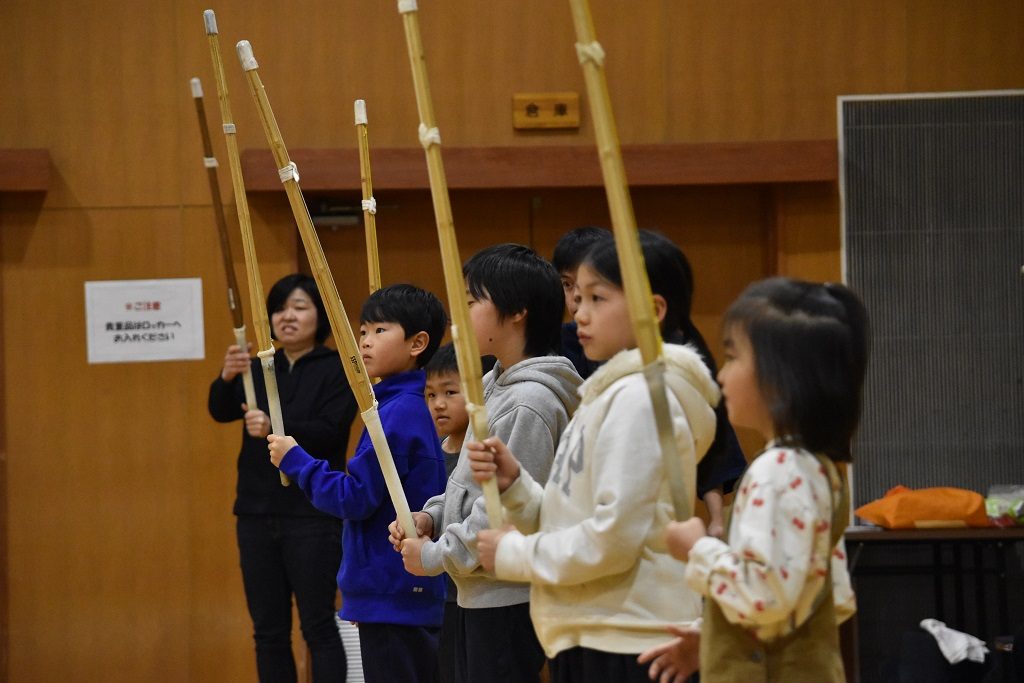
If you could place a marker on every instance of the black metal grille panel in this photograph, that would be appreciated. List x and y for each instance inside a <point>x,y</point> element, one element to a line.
<point>933,211</point>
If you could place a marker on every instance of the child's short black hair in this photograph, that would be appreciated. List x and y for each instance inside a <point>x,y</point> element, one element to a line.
<point>415,309</point>
<point>445,362</point>
<point>575,244</point>
<point>810,345</point>
<point>517,280</point>
<point>282,289</point>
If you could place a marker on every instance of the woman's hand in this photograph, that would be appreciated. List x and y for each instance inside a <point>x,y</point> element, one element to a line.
<point>491,458</point>
<point>279,445</point>
<point>236,362</point>
<point>257,423</point>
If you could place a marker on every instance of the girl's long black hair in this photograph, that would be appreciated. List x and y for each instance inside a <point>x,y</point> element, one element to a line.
<point>671,277</point>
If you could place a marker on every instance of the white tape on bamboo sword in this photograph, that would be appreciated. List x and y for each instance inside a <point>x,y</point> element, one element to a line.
<point>261,322</point>
<point>368,203</point>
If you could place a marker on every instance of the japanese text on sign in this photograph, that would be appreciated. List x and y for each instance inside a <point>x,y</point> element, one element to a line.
<point>144,320</point>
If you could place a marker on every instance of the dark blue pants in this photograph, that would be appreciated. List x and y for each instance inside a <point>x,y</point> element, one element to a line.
<point>281,556</point>
<point>393,653</point>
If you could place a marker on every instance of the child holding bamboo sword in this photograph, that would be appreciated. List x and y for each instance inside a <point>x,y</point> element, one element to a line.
<point>721,468</point>
<point>515,306</point>
<point>447,406</point>
<point>777,588</point>
<point>591,541</point>
<point>399,616</point>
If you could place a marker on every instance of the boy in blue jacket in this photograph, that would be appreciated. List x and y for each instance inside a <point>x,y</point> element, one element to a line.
<point>399,615</point>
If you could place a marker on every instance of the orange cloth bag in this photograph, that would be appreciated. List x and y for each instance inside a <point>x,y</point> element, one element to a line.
<point>904,508</point>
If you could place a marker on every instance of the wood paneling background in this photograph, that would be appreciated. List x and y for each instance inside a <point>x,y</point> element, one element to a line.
<point>119,540</point>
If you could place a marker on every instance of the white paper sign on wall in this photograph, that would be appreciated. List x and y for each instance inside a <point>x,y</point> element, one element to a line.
<point>131,321</point>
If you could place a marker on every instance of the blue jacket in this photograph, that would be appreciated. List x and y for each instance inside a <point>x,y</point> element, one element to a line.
<point>375,588</point>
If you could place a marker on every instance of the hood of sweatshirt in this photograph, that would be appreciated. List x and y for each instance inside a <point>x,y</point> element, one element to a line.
<point>686,376</point>
<point>554,373</point>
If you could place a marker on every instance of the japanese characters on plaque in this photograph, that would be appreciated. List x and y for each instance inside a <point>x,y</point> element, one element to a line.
<point>130,321</point>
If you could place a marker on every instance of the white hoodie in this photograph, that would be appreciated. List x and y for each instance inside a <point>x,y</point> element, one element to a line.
<point>601,574</point>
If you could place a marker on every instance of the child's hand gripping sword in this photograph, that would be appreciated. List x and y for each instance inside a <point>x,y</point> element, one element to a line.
<point>261,324</point>
<point>351,358</point>
<point>631,261</point>
<point>466,349</point>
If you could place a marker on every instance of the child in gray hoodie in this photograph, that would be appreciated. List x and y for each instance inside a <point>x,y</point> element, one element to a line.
<point>516,305</point>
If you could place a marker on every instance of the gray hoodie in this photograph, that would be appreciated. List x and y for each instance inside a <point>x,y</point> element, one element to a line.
<point>528,407</point>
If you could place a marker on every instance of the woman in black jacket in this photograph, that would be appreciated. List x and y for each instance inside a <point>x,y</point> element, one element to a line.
<point>286,546</point>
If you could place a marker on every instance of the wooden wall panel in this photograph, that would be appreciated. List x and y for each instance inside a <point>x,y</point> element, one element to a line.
<point>964,45</point>
<point>713,71</point>
<point>407,235</point>
<point>808,232</point>
<point>97,488</point>
<point>638,39</point>
<point>24,170</point>
<point>90,89</point>
<point>745,70</point>
<point>121,531</point>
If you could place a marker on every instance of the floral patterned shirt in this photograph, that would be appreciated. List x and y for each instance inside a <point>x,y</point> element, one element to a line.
<point>769,575</point>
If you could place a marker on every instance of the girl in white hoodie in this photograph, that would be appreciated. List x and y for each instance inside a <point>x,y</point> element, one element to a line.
<point>591,542</point>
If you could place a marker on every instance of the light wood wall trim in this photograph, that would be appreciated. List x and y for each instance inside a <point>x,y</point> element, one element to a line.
<point>557,166</point>
<point>24,170</point>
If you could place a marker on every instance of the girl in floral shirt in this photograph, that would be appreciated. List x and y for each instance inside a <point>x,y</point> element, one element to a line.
<point>795,359</point>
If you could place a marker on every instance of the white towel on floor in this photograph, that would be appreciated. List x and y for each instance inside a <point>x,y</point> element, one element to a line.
<point>956,646</point>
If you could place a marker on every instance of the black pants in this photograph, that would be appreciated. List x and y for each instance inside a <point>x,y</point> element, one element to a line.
<point>449,636</point>
<point>497,644</point>
<point>281,556</point>
<point>582,665</point>
<point>393,653</point>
